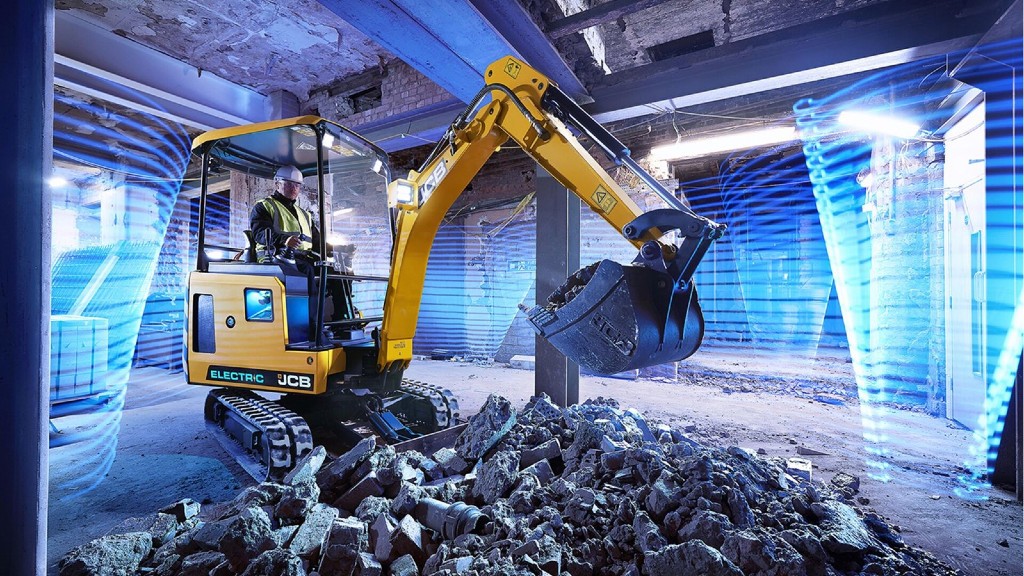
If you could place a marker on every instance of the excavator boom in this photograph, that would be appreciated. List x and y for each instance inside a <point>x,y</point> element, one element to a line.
<point>607,317</point>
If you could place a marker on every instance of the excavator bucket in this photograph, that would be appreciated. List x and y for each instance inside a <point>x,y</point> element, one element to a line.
<point>610,318</point>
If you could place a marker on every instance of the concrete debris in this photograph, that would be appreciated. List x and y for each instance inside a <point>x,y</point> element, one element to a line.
<point>805,451</point>
<point>450,462</point>
<point>624,497</point>
<point>486,428</point>
<point>183,510</point>
<point>314,531</point>
<point>364,488</point>
<point>404,566</point>
<point>114,554</point>
<point>367,565</point>
<point>276,562</point>
<point>799,468</point>
<point>496,476</point>
<point>306,468</point>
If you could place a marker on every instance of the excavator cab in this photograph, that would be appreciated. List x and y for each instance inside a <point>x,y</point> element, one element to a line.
<point>296,321</point>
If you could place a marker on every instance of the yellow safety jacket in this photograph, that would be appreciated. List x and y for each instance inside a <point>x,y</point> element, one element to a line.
<point>284,222</point>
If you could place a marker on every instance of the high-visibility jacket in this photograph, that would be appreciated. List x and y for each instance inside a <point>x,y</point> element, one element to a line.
<point>284,221</point>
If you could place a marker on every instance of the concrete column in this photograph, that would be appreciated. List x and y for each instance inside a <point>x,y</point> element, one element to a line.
<point>283,104</point>
<point>26,153</point>
<point>558,256</point>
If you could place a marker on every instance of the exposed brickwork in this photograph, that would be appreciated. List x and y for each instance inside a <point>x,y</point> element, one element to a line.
<point>403,89</point>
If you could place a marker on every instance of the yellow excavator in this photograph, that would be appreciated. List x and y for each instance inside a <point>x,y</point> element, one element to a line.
<point>296,322</point>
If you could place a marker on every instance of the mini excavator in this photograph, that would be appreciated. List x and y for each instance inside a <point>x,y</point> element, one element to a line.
<point>292,324</point>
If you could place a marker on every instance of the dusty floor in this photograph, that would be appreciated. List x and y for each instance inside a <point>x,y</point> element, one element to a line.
<point>164,453</point>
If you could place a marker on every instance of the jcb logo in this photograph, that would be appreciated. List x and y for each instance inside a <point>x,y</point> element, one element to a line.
<point>618,340</point>
<point>434,180</point>
<point>294,381</point>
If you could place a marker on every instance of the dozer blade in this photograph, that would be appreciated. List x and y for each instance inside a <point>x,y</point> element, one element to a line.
<point>609,318</point>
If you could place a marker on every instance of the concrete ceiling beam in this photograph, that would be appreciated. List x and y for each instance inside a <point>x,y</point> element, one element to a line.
<point>450,42</point>
<point>865,39</point>
<point>100,64</point>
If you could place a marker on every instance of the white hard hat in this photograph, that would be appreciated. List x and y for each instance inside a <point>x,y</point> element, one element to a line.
<point>289,173</point>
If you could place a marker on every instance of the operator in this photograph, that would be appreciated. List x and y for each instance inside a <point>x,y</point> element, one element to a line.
<point>279,222</point>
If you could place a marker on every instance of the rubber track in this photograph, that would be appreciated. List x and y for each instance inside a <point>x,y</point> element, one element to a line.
<point>446,407</point>
<point>285,433</point>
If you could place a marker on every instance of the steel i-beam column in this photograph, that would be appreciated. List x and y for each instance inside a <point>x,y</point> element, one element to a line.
<point>558,255</point>
<point>25,153</point>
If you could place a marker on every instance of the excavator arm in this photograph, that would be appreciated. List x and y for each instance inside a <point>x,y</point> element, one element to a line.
<point>607,317</point>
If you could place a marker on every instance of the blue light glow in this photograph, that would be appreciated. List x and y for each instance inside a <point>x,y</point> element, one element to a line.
<point>886,210</point>
<point>122,174</point>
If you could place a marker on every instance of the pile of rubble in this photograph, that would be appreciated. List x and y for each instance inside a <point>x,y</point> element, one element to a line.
<point>587,490</point>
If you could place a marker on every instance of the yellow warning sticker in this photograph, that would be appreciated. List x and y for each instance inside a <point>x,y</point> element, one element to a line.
<point>512,68</point>
<point>603,199</point>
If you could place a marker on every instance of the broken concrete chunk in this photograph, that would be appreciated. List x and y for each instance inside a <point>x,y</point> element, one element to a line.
<point>542,471</point>
<point>114,554</point>
<point>708,527</point>
<point>367,565</point>
<point>247,535</point>
<point>380,458</point>
<point>366,487</point>
<point>431,469</point>
<point>694,557</point>
<point>338,560</point>
<point>183,510</point>
<point>404,566</point>
<point>407,540</point>
<point>380,537</point>
<point>207,535</point>
<point>283,535</point>
<point>547,451</point>
<point>541,408</point>
<point>337,473</point>
<point>486,428</point>
<point>496,476</point>
<point>845,532</point>
<point>749,552</point>
<point>405,502</point>
<point>799,468</point>
<point>371,507</point>
<point>162,527</point>
<point>450,462</point>
<point>200,564</point>
<point>296,501</point>
<point>313,532</point>
<point>307,467</point>
<point>662,498</point>
<point>646,534</point>
<point>456,565</point>
<point>846,484</point>
<point>276,562</point>
<point>349,532</point>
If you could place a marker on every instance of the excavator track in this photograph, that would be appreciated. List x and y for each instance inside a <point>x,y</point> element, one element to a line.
<point>266,438</point>
<point>444,406</point>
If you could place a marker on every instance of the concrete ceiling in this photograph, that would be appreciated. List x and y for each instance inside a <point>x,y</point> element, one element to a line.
<point>219,62</point>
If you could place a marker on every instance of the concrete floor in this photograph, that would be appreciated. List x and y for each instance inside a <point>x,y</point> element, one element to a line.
<point>164,453</point>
